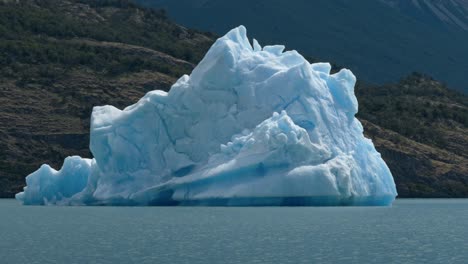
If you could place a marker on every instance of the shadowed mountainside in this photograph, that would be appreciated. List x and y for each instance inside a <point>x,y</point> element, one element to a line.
<point>379,40</point>
<point>448,13</point>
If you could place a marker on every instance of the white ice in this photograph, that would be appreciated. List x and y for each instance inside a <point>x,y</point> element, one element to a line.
<point>249,126</point>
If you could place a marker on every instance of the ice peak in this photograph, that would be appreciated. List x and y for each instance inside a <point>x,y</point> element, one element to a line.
<point>239,36</point>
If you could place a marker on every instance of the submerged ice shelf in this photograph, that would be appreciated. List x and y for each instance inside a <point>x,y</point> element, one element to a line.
<point>249,126</point>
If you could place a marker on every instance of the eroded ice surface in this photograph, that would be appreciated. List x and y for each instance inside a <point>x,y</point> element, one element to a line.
<point>249,126</point>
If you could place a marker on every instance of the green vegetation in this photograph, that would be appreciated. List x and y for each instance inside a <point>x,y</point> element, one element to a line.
<point>421,129</point>
<point>59,58</point>
<point>63,34</point>
<point>417,107</point>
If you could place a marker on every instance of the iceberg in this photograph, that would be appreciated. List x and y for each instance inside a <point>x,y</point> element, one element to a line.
<point>250,126</point>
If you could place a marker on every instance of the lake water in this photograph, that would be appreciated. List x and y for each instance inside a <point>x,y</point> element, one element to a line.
<point>411,231</point>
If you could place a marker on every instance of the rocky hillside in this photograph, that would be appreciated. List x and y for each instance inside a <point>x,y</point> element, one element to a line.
<point>62,57</point>
<point>59,58</point>
<point>421,129</point>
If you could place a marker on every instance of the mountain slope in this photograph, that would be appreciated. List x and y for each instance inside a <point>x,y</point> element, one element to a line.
<point>61,58</point>
<point>379,41</point>
<point>421,129</point>
<point>449,13</point>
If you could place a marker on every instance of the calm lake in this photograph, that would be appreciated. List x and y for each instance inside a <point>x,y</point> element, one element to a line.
<point>411,231</point>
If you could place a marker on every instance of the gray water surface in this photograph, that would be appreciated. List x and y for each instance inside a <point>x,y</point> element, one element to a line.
<point>411,231</point>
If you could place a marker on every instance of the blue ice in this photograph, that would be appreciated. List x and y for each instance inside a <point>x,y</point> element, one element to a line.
<point>251,125</point>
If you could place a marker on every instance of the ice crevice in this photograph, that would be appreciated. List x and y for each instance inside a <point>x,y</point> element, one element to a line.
<point>250,125</point>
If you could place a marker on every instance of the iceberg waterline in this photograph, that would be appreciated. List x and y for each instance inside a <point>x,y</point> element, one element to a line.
<point>249,126</point>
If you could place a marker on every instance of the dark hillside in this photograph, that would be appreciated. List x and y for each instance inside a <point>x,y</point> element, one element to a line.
<point>379,40</point>
<point>421,129</point>
<point>60,58</point>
